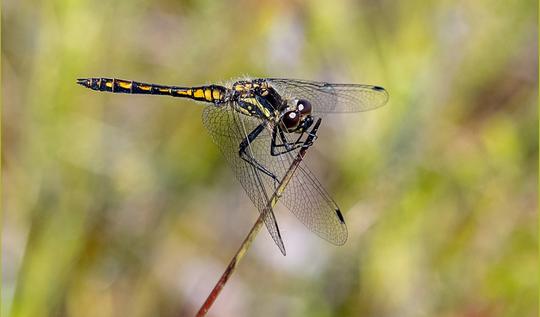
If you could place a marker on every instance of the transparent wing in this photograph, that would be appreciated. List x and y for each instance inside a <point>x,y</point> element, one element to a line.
<point>312,205</point>
<point>304,196</point>
<point>228,129</point>
<point>327,97</point>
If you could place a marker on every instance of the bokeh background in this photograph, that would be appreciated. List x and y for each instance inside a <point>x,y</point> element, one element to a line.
<point>118,205</point>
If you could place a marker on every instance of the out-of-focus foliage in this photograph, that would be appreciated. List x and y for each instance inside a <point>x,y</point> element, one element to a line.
<point>118,205</point>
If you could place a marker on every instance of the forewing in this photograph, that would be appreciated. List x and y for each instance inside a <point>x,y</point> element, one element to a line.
<point>327,97</point>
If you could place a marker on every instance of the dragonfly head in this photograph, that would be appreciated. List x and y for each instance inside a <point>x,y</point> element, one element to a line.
<point>297,117</point>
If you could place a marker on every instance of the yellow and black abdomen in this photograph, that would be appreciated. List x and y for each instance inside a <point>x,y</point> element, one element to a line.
<point>213,93</point>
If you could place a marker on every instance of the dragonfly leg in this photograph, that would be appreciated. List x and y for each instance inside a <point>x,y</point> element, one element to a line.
<point>312,135</point>
<point>290,146</point>
<point>246,156</point>
<point>276,149</point>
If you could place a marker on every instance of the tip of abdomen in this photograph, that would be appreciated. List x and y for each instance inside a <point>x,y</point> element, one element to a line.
<point>85,82</point>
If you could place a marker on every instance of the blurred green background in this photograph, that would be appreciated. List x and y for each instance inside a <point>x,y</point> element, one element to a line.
<point>118,205</point>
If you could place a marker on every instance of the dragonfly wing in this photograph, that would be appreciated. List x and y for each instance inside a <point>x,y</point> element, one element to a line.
<point>306,198</point>
<point>327,97</point>
<point>228,129</point>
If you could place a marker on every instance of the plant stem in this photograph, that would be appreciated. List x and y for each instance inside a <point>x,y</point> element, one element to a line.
<point>231,267</point>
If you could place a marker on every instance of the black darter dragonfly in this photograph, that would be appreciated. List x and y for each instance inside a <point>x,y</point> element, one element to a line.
<point>259,126</point>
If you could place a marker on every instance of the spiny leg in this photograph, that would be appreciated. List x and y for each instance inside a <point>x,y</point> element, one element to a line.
<point>244,155</point>
<point>290,146</point>
<point>312,136</point>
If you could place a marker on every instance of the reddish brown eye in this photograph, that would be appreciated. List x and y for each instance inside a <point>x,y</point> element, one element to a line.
<point>304,106</point>
<point>290,119</point>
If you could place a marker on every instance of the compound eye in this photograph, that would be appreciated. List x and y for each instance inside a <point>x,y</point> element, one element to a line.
<point>303,106</point>
<point>291,119</point>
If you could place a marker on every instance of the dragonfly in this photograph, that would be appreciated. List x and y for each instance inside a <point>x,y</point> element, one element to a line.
<point>260,125</point>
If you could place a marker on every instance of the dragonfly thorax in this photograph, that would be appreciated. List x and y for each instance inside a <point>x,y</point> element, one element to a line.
<point>257,98</point>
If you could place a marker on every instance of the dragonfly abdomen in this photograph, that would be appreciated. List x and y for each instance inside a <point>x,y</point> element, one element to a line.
<point>213,93</point>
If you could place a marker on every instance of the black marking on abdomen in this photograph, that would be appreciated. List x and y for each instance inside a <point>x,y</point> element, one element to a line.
<point>103,84</point>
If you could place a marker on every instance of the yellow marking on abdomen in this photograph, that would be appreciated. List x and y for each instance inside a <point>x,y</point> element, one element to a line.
<point>184,92</point>
<point>198,93</point>
<point>124,84</point>
<point>145,87</point>
<point>208,94</point>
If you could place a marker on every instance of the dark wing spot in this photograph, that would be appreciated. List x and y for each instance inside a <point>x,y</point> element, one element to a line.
<point>340,216</point>
<point>378,88</point>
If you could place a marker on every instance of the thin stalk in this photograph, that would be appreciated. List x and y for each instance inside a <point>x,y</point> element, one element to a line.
<point>258,224</point>
<point>231,267</point>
